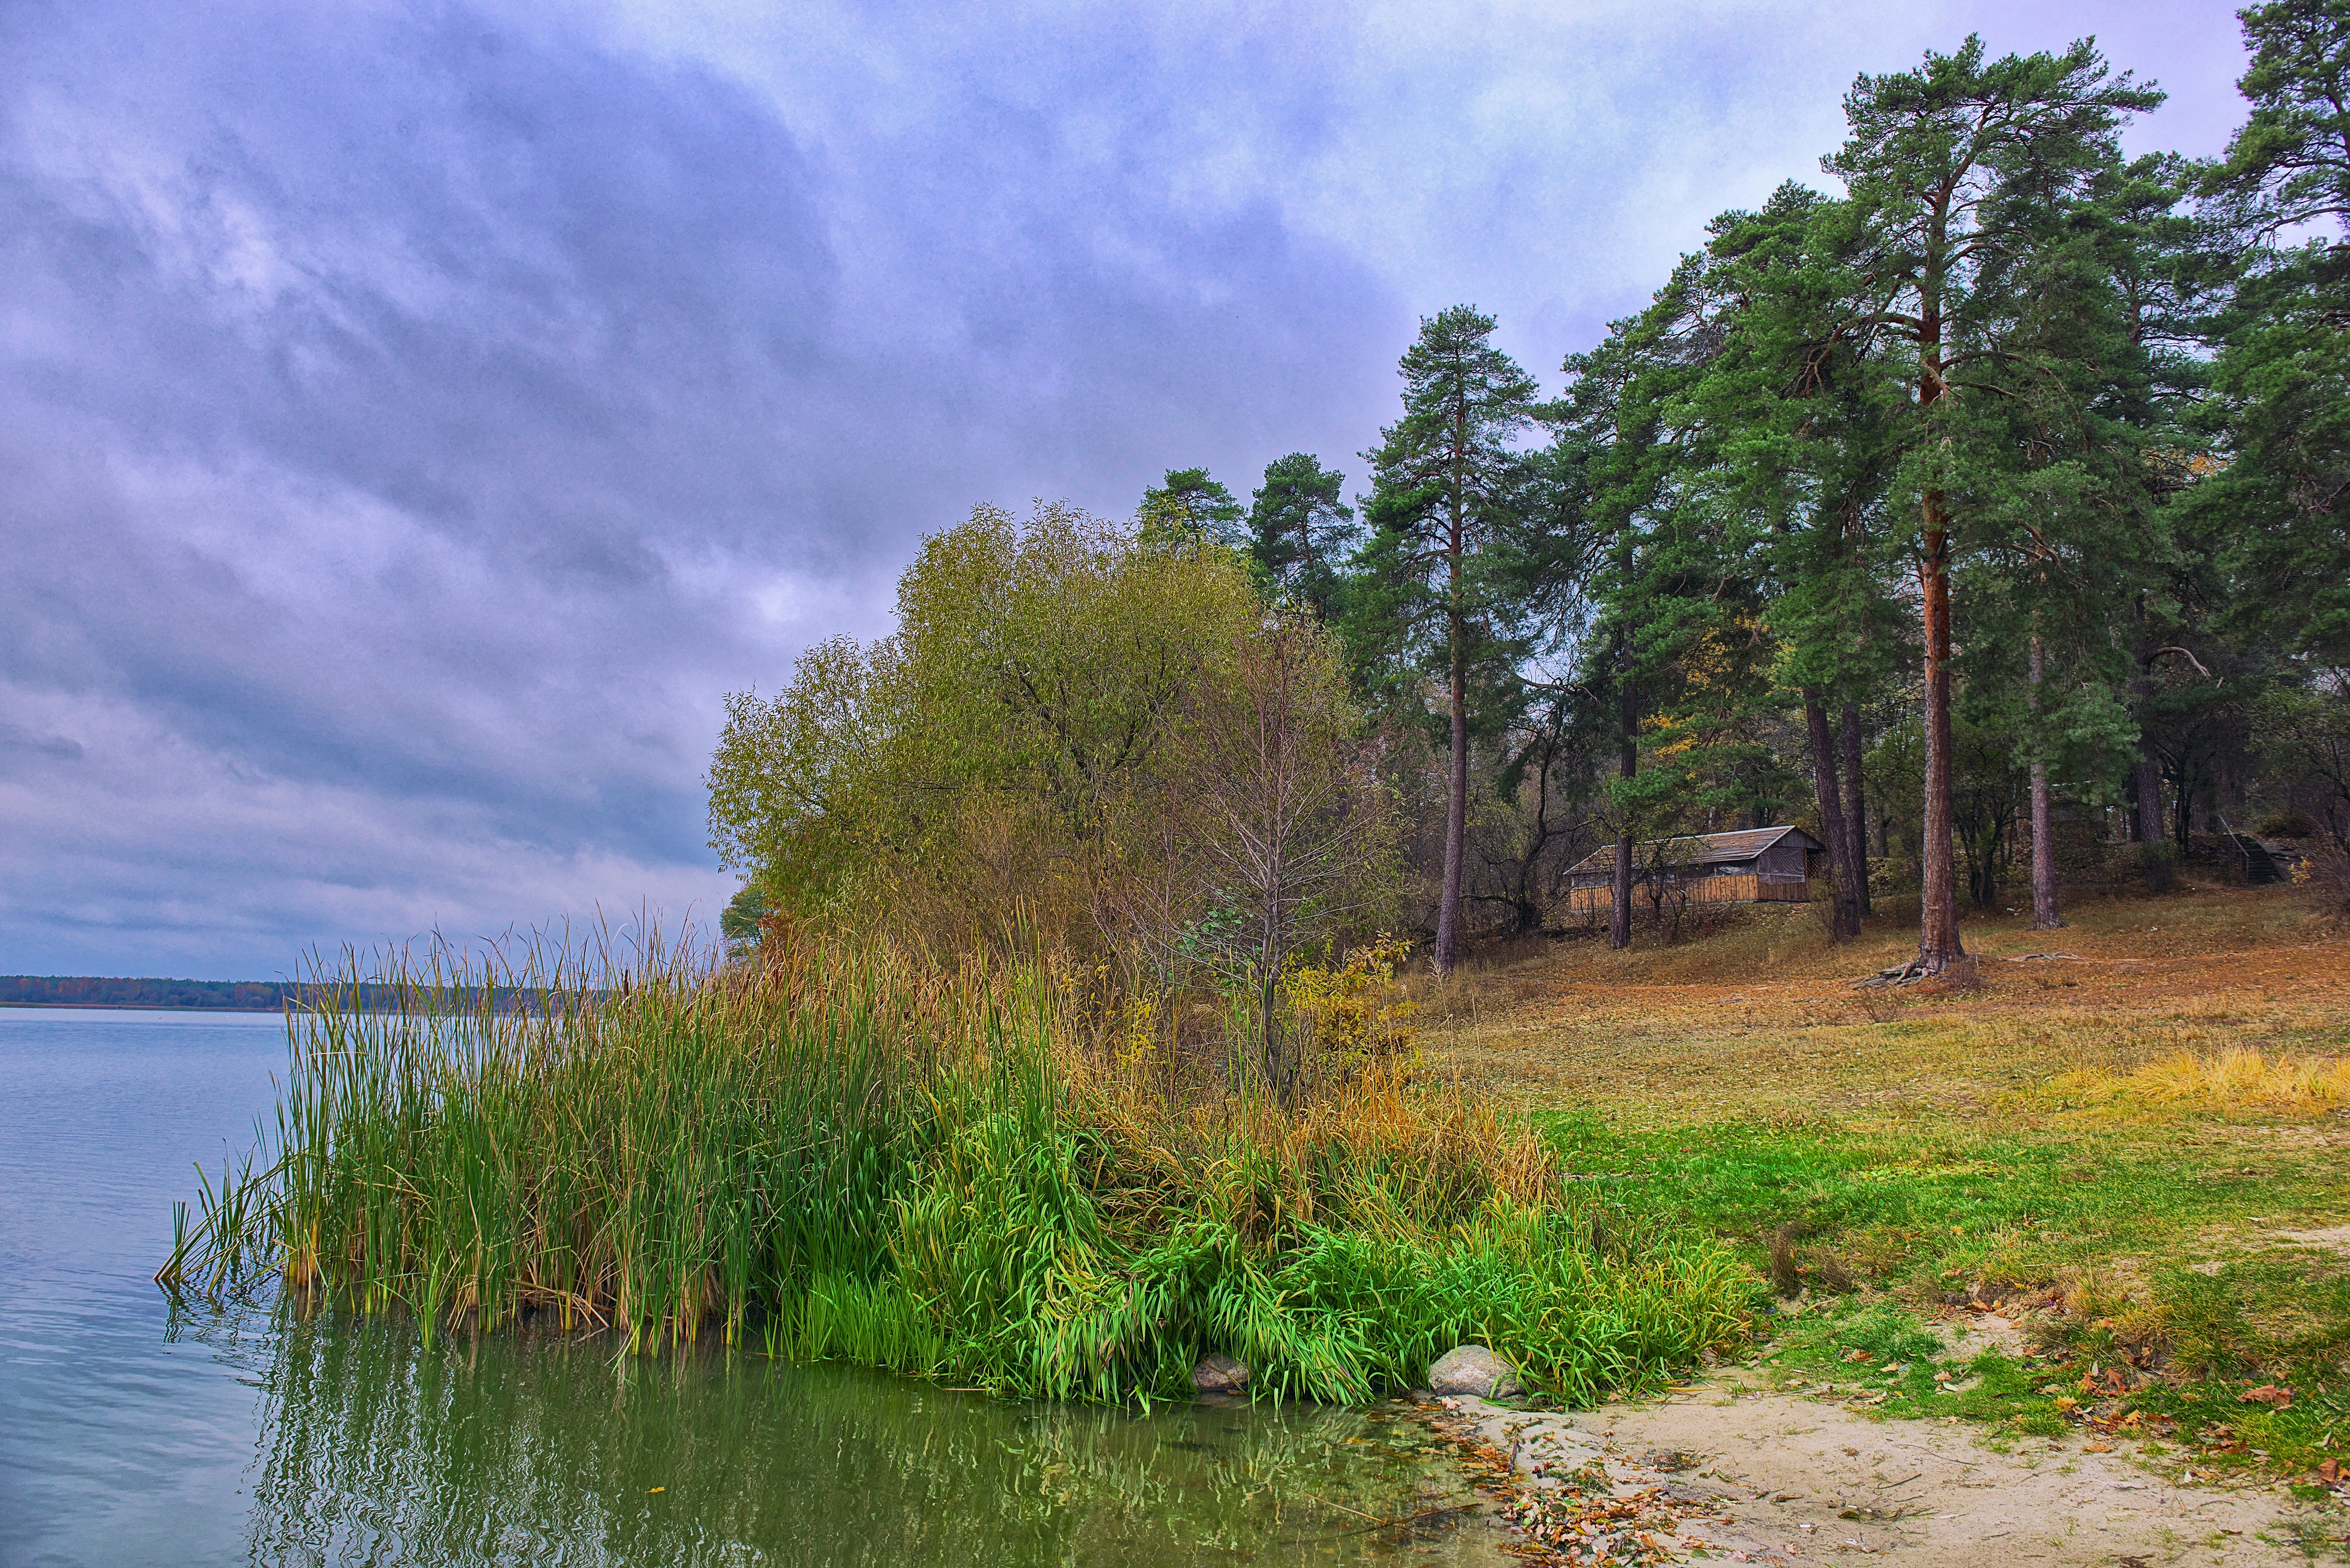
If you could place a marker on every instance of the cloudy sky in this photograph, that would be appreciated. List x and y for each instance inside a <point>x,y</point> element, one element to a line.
<point>414,418</point>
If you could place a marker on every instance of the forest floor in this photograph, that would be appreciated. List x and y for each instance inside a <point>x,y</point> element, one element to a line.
<point>2088,1213</point>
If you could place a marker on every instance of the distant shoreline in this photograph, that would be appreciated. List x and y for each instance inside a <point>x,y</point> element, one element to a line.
<point>152,993</point>
<point>102,994</point>
<point>133,1007</point>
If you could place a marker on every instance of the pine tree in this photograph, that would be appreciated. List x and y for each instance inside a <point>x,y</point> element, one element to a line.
<point>1299,530</point>
<point>2282,378</point>
<point>1449,494</point>
<point>1191,509</point>
<point>1805,461</point>
<point>1624,430</point>
<point>2290,164</point>
<point>1957,170</point>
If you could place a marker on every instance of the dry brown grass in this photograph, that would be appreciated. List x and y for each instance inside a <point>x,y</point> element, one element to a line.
<point>1762,1015</point>
<point>1378,1153</point>
<point>2235,1078</point>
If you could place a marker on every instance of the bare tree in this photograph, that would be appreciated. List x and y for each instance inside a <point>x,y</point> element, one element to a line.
<point>1663,867</point>
<point>1282,824</point>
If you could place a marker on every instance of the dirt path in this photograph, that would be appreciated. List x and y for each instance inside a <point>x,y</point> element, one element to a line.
<point>1735,1471</point>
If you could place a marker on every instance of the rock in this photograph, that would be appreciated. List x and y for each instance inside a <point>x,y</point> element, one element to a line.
<point>1220,1373</point>
<point>1473,1369</point>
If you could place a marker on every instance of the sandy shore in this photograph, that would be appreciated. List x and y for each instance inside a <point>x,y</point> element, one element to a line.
<point>1735,1471</point>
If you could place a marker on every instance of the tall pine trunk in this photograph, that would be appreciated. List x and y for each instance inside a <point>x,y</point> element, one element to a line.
<point>1844,917</point>
<point>2043,832</point>
<point>1456,807</point>
<point>1938,936</point>
<point>1938,916</point>
<point>1627,763</point>
<point>1856,807</point>
<point>2145,772</point>
<point>2145,784</point>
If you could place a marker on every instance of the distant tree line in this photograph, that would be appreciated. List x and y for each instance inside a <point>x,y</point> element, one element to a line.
<point>1987,517</point>
<point>91,990</point>
<point>242,995</point>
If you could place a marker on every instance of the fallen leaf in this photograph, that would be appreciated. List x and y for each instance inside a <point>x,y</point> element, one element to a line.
<point>2266,1394</point>
<point>2330,1471</point>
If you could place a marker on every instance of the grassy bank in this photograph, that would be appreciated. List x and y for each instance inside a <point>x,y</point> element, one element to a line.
<point>956,1172</point>
<point>2131,1147</point>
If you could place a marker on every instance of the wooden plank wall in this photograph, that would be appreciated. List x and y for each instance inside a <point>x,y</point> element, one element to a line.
<point>1748,889</point>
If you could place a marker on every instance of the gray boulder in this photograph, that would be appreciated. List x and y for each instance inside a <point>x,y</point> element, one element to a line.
<point>1473,1369</point>
<point>1220,1373</point>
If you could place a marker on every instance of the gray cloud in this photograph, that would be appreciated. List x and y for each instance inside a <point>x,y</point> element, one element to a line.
<point>413,419</point>
<point>15,739</point>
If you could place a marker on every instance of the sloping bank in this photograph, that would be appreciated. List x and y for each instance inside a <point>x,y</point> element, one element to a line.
<point>858,1155</point>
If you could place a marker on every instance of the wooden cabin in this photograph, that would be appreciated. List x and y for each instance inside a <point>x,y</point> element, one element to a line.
<point>1755,866</point>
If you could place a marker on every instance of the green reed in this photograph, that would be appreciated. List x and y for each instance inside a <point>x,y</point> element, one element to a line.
<point>849,1152</point>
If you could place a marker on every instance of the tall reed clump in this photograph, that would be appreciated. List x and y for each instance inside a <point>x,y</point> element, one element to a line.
<point>847,1152</point>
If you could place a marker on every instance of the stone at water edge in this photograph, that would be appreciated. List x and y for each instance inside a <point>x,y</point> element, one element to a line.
<point>1473,1369</point>
<point>1220,1373</point>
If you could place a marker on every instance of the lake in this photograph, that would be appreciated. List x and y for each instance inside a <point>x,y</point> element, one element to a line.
<point>134,1433</point>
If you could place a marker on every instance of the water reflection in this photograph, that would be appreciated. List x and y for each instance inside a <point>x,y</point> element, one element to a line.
<point>231,1436</point>
<point>375,1451</point>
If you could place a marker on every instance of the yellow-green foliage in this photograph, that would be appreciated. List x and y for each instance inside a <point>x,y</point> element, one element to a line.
<point>847,1153</point>
<point>1001,750</point>
<point>1354,1015</point>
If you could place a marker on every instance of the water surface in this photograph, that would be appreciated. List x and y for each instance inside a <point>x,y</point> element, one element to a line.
<point>132,1433</point>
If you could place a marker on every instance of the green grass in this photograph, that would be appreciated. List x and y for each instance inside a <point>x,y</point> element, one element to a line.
<point>2144,1245</point>
<point>1879,1353</point>
<point>852,1155</point>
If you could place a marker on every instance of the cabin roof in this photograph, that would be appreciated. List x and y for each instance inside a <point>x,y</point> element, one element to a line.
<point>1702,848</point>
